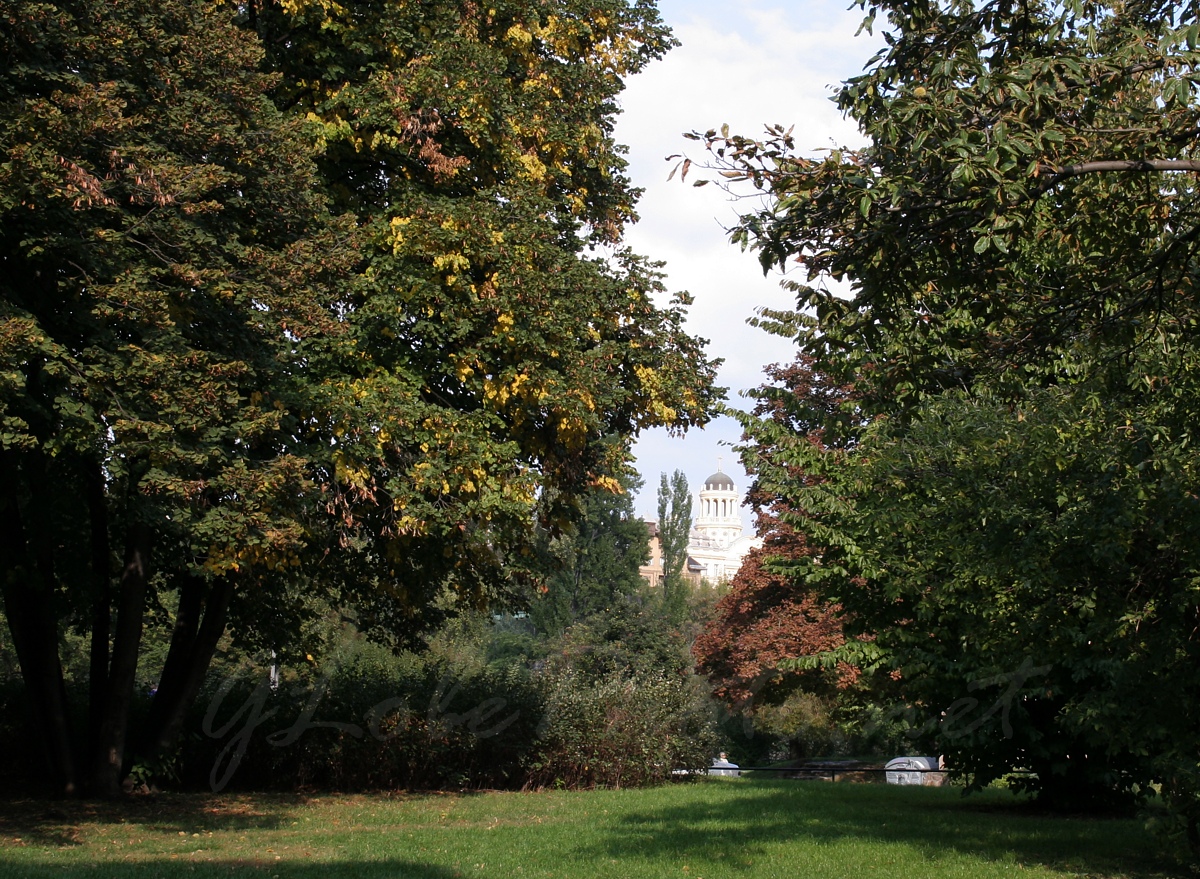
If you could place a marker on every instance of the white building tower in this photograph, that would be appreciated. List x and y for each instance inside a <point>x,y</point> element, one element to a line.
<point>717,543</point>
<point>718,521</point>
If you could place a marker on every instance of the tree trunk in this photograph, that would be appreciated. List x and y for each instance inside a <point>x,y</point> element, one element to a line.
<point>193,644</point>
<point>97,501</point>
<point>28,602</point>
<point>109,748</point>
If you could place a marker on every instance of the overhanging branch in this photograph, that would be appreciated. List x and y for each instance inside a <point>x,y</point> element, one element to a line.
<point>1062,172</point>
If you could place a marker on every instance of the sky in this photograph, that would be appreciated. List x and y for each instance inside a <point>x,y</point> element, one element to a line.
<point>748,63</point>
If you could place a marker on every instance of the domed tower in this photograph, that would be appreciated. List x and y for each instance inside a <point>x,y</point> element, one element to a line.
<point>718,521</point>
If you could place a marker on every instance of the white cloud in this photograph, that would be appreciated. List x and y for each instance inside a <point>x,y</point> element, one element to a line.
<point>746,63</point>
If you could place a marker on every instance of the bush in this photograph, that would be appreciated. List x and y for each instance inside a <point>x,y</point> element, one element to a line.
<point>805,722</point>
<point>435,721</point>
<point>486,705</point>
<point>621,731</point>
<point>467,713</point>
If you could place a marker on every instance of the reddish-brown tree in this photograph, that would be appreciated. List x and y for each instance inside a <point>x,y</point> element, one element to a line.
<point>767,617</point>
<point>764,619</point>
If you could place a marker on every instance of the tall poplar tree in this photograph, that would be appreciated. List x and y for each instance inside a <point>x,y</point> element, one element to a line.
<point>674,530</point>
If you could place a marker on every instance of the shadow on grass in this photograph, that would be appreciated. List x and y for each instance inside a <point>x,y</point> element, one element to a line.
<point>167,869</point>
<point>56,823</point>
<point>743,819</point>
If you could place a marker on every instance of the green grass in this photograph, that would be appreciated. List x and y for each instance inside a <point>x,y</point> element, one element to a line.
<point>710,830</point>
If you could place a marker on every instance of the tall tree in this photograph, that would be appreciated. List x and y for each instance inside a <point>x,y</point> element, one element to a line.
<point>163,254</point>
<point>596,563</point>
<point>674,532</point>
<point>260,406</point>
<point>502,336</point>
<point>1020,240</point>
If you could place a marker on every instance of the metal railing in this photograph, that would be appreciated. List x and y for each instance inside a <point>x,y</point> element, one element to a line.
<point>832,771</point>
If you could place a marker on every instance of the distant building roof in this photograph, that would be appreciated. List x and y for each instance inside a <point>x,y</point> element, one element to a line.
<point>719,482</point>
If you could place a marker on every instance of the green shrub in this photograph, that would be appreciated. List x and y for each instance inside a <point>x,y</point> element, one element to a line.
<point>375,721</point>
<point>621,731</point>
<point>487,704</point>
<point>612,703</point>
<point>805,723</point>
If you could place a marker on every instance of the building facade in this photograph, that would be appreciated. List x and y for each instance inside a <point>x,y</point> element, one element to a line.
<point>718,542</point>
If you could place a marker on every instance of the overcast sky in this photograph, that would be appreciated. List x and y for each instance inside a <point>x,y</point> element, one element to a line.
<point>747,63</point>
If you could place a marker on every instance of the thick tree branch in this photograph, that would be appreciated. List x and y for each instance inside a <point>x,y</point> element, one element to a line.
<point>1102,166</point>
<point>192,646</point>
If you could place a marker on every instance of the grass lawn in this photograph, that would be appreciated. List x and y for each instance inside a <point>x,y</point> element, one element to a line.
<point>708,830</point>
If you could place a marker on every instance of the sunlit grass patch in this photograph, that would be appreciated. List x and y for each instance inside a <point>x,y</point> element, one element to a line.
<point>709,830</point>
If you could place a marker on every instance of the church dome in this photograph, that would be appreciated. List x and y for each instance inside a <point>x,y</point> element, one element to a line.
<point>719,482</point>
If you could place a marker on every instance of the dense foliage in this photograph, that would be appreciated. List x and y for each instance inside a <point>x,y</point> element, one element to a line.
<point>1008,505</point>
<point>500,360</point>
<point>224,404</point>
<point>611,706</point>
<point>160,242</point>
<point>594,565</point>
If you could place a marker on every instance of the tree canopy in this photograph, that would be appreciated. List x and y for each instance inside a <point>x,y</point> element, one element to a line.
<point>306,304</point>
<point>1027,190</point>
<point>496,317</point>
<point>1004,278</point>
